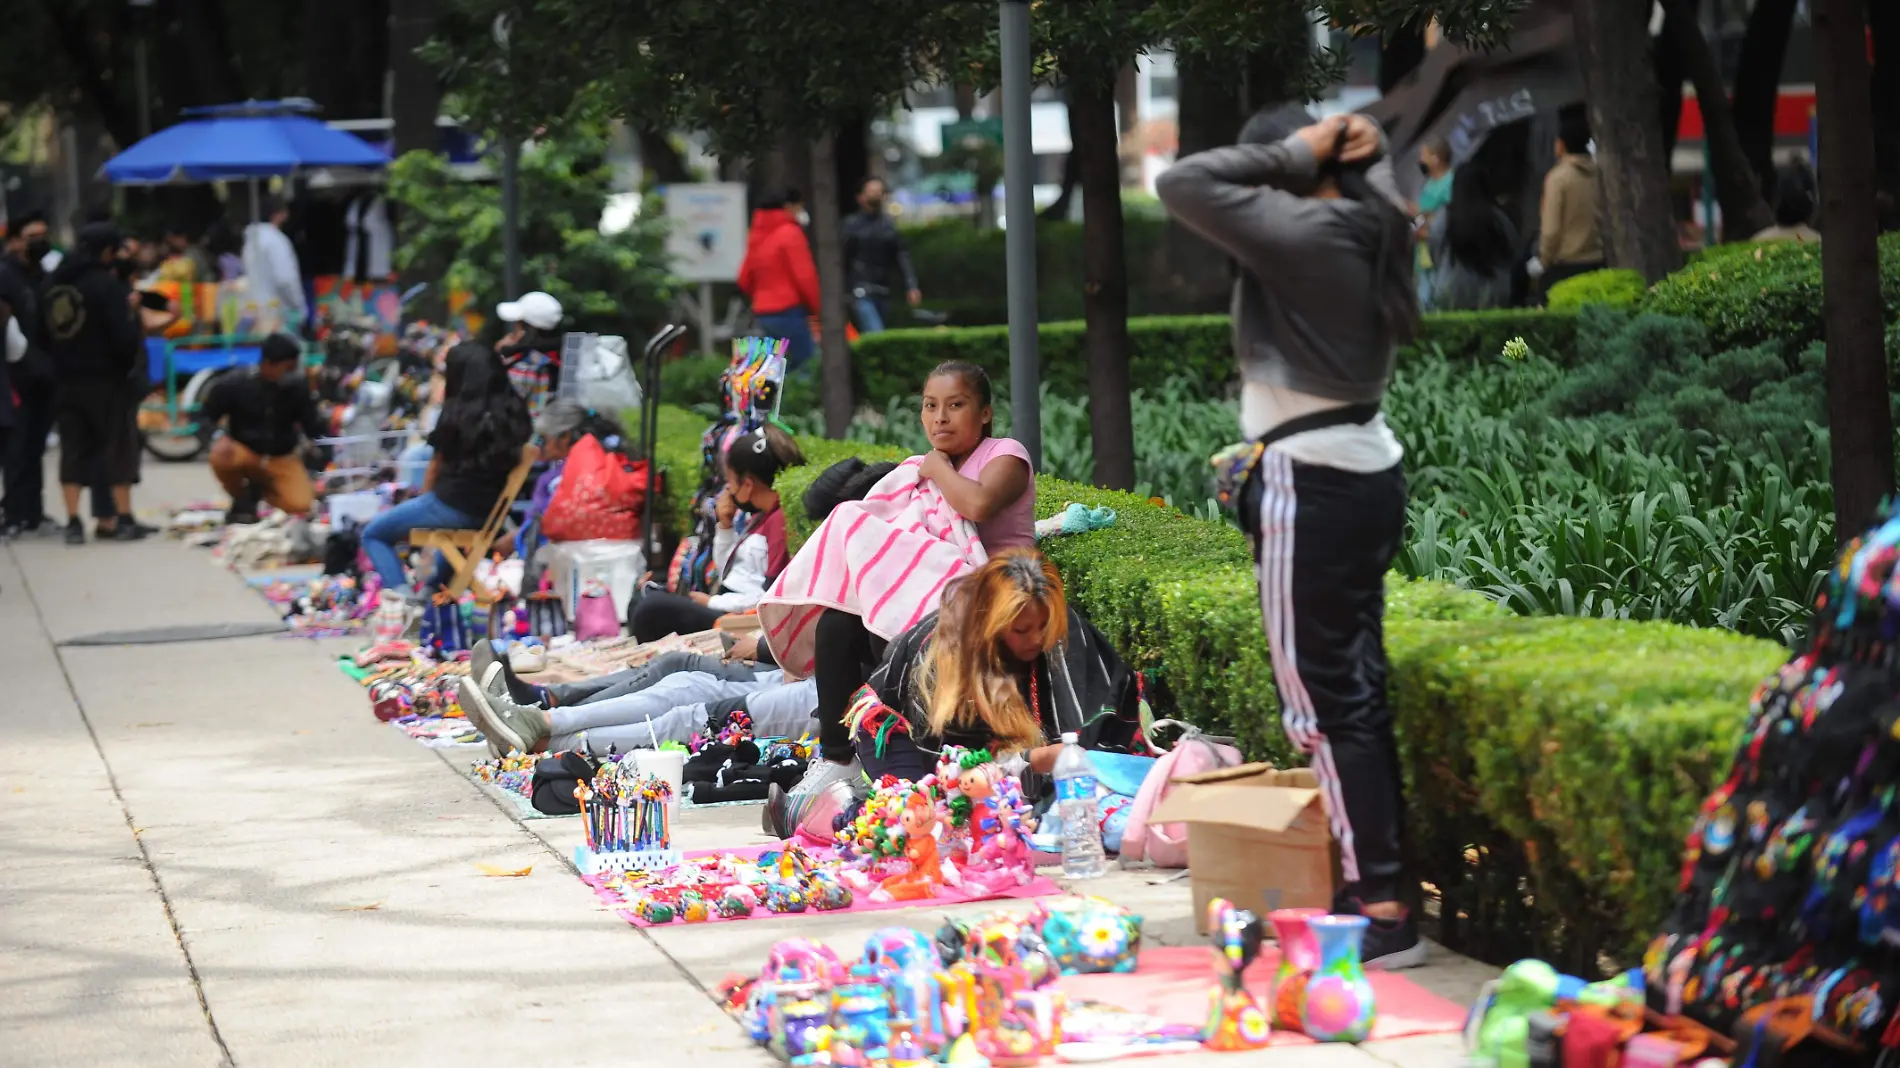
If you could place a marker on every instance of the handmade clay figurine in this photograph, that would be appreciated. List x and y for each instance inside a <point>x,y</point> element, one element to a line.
<point>907,960</point>
<point>920,848</point>
<point>826,892</point>
<point>693,907</point>
<point>653,910</point>
<point>861,1012</point>
<point>1235,1018</point>
<point>1339,1004</point>
<point>1299,959</point>
<point>736,901</point>
<point>1087,935</point>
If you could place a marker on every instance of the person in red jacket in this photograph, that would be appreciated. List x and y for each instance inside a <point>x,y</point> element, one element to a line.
<point>779,277</point>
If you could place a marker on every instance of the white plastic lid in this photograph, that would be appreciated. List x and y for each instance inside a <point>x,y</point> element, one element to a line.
<point>1071,738</point>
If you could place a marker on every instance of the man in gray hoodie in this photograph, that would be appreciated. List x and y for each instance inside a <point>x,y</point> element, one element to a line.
<point>1323,297</point>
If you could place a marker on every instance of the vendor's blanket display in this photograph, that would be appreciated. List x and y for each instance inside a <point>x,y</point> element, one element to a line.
<point>885,559</point>
<point>713,885</point>
<point>1171,982</point>
<point>439,732</point>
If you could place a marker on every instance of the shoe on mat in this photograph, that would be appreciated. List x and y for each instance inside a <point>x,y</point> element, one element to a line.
<point>527,659</point>
<point>522,728</point>
<point>507,684</point>
<point>1391,945</point>
<point>473,697</point>
<point>75,532</point>
<point>785,809</point>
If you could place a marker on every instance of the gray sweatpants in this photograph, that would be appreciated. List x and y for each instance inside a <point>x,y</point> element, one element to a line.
<point>674,709</point>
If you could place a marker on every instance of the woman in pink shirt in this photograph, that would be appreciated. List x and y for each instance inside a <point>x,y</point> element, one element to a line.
<point>988,481</point>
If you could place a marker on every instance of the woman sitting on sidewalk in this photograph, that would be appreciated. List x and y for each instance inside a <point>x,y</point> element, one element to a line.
<point>477,443</point>
<point>1006,665</point>
<point>988,483</point>
<point>746,565</point>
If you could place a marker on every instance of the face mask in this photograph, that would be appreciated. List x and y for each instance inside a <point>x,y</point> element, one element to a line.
<point>124,268</point>
<point>36,250</point>
<point>804,218</point>
<point>874,204</point>
<point>745,506</point>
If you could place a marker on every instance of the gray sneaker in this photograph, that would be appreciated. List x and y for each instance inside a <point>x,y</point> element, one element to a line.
<point>788,810</point>
<point>472,692</point>
<point>523,728</point>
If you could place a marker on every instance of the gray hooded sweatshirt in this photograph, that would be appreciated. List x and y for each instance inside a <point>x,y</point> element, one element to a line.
<point>1308,332</point>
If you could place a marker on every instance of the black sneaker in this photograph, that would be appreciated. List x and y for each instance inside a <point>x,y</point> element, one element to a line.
<point>131,530</point>
<point>1391,945</point>
<point>237,517</point>
<point>75,532</point>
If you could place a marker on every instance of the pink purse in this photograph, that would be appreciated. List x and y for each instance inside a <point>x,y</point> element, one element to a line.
<point>594,616</point>
<point>1165,844</point>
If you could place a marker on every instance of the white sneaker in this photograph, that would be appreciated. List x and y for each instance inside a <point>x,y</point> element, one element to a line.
<point>788,810</point>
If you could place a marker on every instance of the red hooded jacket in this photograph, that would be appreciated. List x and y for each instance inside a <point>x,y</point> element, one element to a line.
<point>778,273</point>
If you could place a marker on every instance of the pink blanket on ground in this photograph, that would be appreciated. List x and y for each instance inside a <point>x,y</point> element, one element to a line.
<point>1040,886</point>
<point>885,559</point>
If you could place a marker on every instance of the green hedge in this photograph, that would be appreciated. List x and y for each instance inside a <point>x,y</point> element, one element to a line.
<point>1753,294</point>
<point>1615,287</point>
<point>893,364</point>
<point>1554,764</point>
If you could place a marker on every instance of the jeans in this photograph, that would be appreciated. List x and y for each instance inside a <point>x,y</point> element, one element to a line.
<point>633,680</point>
<point>870,316</point>
<point>413,463</point>
<point>793,325</point>
<point>426,512</point>
<point>670,710</point>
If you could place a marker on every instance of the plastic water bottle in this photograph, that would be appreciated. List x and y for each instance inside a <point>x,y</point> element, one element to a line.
<point>1075,800</point>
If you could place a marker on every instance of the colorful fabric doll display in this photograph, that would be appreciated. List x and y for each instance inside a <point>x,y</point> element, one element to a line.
<point>1787,885</point>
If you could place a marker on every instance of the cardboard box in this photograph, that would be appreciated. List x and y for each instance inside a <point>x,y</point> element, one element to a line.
<point>1257,836</point>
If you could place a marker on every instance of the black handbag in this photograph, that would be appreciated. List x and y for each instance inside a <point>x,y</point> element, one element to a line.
<point>555,779</point>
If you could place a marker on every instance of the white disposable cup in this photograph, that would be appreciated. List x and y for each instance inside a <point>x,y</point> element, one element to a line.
<point>669,765</point>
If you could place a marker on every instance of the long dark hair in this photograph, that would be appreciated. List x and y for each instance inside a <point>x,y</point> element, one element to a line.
<point>1478,232</point>
<point>484,422</point>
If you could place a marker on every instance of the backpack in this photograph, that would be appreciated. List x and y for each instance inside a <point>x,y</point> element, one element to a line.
<point>1165,844</point>
<point>600,496</point>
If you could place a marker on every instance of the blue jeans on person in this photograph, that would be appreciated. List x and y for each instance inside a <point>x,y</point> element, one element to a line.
<point>426,512</point>
<point>794,326</point>
<point>412,464</point>
<point>870,316</point>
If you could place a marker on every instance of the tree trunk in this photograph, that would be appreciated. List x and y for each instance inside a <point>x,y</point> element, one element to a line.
<point>415,94</point>
<point>1758,83</point>
<point>852,150</point>
<point>1400,52</point>
<point>1737,186</point>
<point>1883,20</point>
<point>659,158</point>
<point>1860,425</point>
<point>1104,279</point>
<point>1619,80</point>
<point>1058,209</point>
<point>827,227</point>
<point>1671,72</point>
<point>346,57</point>
<point>1209,116</point>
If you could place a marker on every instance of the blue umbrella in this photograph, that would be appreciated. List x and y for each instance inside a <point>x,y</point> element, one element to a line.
<point>241,141</point>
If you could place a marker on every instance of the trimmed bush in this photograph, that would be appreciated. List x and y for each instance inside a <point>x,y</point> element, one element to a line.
<point>1754,294</point>
<point>1554,764</point>
<point>894,363</point>
<point>1614,287</point>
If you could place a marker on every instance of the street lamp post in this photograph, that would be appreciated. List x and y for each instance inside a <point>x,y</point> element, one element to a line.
<point>140,65</point>
<point>510,186</point>
<point>1019,205</point>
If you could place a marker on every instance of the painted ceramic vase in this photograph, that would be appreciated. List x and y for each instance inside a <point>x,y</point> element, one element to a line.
<point>1339,1004</point>
<point>1299,959</point>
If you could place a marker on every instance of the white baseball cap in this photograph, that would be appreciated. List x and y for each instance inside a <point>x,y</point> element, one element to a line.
<point>535,308</point>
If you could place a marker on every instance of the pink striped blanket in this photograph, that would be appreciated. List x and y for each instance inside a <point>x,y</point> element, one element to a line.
<point>885,559</point>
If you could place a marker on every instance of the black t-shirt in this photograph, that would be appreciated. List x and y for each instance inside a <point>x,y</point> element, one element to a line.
<point>461,484</point>
<point>264,417</point>
<point>88,326</point>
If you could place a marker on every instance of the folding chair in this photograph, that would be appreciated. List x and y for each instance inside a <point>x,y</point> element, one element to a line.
<point>465,548</point>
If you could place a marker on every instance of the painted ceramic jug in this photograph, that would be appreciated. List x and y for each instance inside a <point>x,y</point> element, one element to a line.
<point>1339,1005</point>
<point>1299,959</point>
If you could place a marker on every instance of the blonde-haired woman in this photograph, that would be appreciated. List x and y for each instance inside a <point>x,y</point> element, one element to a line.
<point>1005,665</point>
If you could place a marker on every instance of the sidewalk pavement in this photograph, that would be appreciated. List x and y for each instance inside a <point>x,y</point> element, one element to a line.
<point>211,854</point>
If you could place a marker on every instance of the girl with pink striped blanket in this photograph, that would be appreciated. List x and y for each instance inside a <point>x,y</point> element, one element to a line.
<point>876,567</point>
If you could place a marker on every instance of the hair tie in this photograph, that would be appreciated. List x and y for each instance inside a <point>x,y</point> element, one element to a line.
<point>758,444</point>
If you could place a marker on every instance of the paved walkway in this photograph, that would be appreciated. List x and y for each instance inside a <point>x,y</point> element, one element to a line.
<point>211,854</point>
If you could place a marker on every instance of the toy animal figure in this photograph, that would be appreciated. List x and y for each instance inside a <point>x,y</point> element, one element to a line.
<point>907,960</point>
<point>861,1011</point>
<point>920,848</point>
<point>736,901</point>
<point>999,834</point>
<point>1236,1020</point>
<point>693,907</point>
<point>1087,935</point>
<point>785,897</point>
<point>826,893</point>
<point>653,910</point>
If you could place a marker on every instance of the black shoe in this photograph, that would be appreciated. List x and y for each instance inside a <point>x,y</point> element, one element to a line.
<point>130,530</point>
<point>1392,944</point>
<point>237,517</point>
<point>75,532</point>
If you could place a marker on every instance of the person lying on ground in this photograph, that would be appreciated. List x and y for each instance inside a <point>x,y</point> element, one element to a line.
<point>265,413</point>
<point>747,564</point>
<point>988,481</point>
<point>478,441</point>
<point>1006,665</point>
<point>666,702</point>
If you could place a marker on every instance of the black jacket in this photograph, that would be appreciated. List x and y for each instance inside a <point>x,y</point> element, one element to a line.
<point>872,248</point>
<point>88,324</point>
<point>19,290</point>
<point>265,417</point>
<point>1086,687</point>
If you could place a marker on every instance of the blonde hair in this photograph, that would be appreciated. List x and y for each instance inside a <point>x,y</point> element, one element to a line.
<point>965,681</point>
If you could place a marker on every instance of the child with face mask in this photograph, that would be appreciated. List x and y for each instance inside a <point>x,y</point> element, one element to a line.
<point>747,564</point>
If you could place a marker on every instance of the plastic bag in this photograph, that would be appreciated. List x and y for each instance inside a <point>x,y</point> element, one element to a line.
<point>601,375</point>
